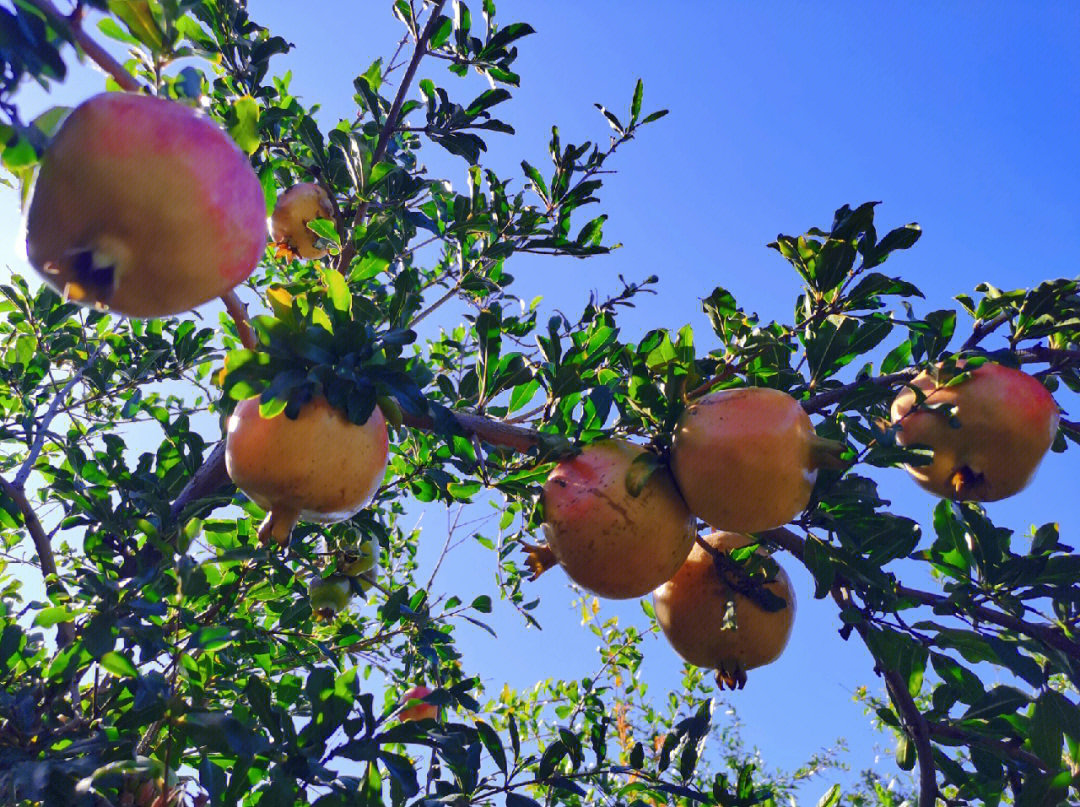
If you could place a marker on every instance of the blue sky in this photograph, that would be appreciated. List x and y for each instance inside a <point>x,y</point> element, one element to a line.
<point>963,117</point>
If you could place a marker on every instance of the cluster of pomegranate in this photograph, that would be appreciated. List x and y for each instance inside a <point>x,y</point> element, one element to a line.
<point>104,228</point>
<point>745,461</point>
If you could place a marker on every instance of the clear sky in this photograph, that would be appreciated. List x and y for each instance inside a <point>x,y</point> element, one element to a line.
<point>963,117</point>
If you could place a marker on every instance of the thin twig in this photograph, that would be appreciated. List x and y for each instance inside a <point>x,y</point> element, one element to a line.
<point>43,426</point>
<point>348,250</point>
<point>72,26</point>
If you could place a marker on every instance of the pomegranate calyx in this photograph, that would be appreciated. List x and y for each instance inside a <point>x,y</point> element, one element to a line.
<point>731,679</point>
<point>539,558</point>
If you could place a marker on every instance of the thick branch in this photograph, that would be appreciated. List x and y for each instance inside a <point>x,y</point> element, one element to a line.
<point>212,475</point>
<point>789,541</point>
<point>65,631</point>
<point>945,731</point>
<point>72,26</point>
<point>348,250</point>
<point>913,721</point>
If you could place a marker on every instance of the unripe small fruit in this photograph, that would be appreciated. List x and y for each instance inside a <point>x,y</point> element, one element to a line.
<point>711,624</point>
<point>421,711</point>
<point>608,540</point>
<point>144,206</point>
<point>289,223</point>
<point>329,596</point>
<point>355,562</point>
<point>747,459</point>
<point>1003,423</point>
<point>319,467</point>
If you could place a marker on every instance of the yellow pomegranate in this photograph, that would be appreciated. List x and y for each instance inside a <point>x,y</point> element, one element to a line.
<point>710,624</point>
<point>1005,421</point>
<point>747,459</point>
<point>289,223</point>
<point>610,541</point>
<point>145,207</point>
<point>318,467</point>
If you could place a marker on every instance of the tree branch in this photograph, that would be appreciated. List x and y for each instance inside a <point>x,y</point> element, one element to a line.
<point>792,543</point>
<point>348,250</point>
<point>831,396</point>
<point>43,426</point>
<point>72,26</point>
<point>65,631</point>
<point>946,731</point>
<point>914,722</point>
<point>984,327</point>
<point>918,730</point>
<point>238,311</point>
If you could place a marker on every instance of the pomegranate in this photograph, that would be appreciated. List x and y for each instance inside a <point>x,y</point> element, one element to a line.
<point>610,537</point>
<point>711,624</point>
<point>421,711</point>
<point>1004,422</point>
<point>294,209</point>
<point>747,459</point>
<point>359,560</point>
<point>318,467</point>
<point>329,596</point>
<point>145,207</point>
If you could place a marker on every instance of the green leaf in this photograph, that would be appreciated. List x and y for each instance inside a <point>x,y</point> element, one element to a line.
<point>445,26</point>
<point>119,665</point>
<point>246,129</point>
<point>831,797</point>
<point>54,615</point>
<point>338,288</point>
<point>635,104</point>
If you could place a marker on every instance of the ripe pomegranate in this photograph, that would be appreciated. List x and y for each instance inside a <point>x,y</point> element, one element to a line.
<point>1005,421</point>
<point>329,596</point>
<point>145,207</point>
<point>711,624</point>
<point>319,467</point>
<point>746,459</point>
<point>609,540</point>
<point>294,209</point>
<point>421,711</point>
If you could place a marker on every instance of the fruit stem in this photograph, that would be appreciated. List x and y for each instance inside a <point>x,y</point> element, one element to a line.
<point>826,453</point>
<point>278,525</point>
